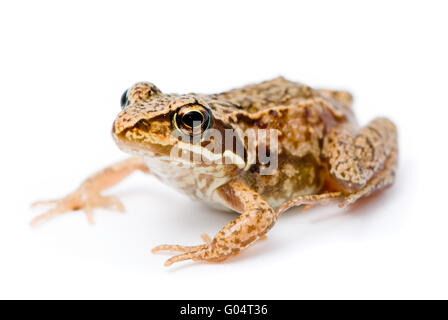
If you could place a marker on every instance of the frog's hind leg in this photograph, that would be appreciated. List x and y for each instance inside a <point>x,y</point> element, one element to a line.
<point>362,162</point>
<point>384,178</point>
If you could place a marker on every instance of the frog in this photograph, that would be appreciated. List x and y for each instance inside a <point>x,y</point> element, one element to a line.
<point>321,154</point>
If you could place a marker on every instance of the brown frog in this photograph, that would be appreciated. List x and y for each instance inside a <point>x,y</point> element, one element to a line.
<point>313,151</point>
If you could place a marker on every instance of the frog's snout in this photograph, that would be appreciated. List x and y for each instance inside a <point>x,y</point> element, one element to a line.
<point>114,131</point>
<point>124,121</point>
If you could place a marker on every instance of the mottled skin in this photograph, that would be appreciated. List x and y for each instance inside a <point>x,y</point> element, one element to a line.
<point>322,155</point>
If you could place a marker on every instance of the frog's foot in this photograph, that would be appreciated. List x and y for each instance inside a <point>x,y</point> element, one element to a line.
<point>309,201</point>
<point>82,199</point>
<point>88,196</point>
<point>206,252</point>
<point>177,248</point>
<point>216,250</point>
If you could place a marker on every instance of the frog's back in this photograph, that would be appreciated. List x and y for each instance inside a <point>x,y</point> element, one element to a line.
<point>282,92</point>
<point>302,116</point>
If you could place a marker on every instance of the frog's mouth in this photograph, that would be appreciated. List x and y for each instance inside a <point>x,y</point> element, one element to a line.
<point>180,153</point>
<point>156,139</point>
<point>140,147</point>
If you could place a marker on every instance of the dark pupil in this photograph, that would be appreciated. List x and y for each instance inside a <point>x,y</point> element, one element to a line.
<point>193,118</point>
<point>124,99</point>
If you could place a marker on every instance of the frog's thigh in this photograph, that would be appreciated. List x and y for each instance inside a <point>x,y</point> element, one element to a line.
<point>364,161</point>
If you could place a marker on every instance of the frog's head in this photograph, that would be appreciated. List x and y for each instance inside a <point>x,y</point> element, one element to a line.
<point>170,127</point>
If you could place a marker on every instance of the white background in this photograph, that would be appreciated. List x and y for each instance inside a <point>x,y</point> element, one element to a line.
<point>63,68</point>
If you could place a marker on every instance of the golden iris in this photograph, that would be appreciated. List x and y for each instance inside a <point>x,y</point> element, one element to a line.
<point>192,119</point>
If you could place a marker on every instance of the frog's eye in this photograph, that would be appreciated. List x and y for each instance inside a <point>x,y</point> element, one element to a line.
<point>192,119</point>
<point>124,99</point>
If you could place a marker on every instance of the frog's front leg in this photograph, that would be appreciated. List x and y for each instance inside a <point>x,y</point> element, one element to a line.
<point>362,162</point>
<point>256,218</point>
<point>88,195</point>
